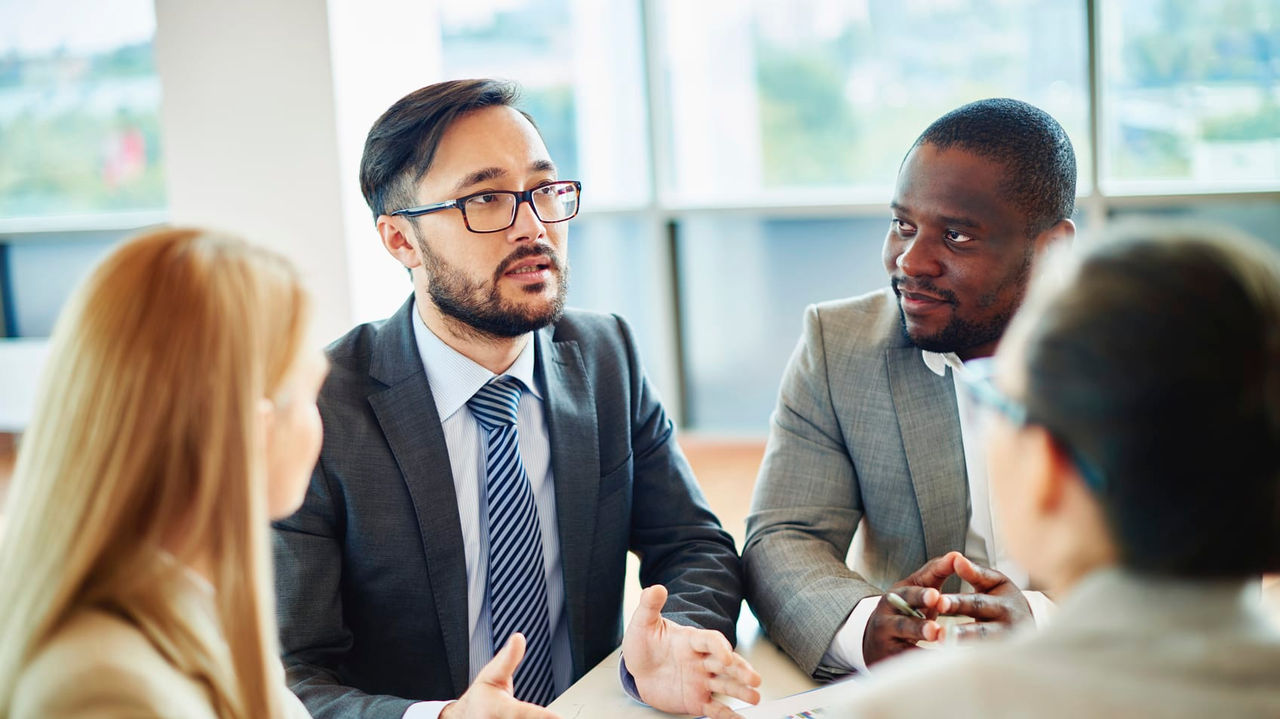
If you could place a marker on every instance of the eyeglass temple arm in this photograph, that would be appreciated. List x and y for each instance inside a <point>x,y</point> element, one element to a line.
<point>424,209</point>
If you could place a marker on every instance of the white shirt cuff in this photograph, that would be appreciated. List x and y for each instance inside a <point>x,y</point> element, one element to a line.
<point>1042,608</point>
<point>845,651</point>
<point>425,710</point>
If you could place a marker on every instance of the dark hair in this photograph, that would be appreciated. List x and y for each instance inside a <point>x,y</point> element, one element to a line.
<point>1159,365</point>
<point>1030,144</point>
<point>402,143</point>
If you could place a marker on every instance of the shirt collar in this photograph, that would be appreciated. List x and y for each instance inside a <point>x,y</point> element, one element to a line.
<point>938,362</point>
<point>454,378</point>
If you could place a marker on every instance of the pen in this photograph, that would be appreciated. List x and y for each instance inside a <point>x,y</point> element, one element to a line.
<point>901,605</point>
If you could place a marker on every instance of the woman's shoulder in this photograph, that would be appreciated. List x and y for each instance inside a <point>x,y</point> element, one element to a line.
<point>99,664</point>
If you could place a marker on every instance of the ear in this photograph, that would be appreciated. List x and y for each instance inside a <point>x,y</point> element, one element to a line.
<point>395,235</point>
<point>1052,474</point>
<point>264,421</point>
<point>1060,234</point>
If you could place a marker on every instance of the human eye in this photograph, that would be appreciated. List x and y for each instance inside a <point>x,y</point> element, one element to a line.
<point>903,227</point>
<point>957,237</point>
<point>484,198</point>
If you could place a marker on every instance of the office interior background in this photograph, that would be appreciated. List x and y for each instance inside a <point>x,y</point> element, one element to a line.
<point>737,156</point>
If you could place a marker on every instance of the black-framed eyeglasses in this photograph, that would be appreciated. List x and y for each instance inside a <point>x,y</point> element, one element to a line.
<point>495,210</point>
<point>978,380</point>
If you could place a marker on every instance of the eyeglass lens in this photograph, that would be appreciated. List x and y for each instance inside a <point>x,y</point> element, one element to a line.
<point>491,211</point>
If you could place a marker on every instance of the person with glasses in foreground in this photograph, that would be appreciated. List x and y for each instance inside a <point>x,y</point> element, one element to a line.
<point>1132,422</point>
<point>177,413</point>
<point>491,459</point>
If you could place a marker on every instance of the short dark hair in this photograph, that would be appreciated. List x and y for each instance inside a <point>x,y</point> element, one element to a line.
<point>1031,145</point>
<point>1158,364</point>
<point>403,141</point>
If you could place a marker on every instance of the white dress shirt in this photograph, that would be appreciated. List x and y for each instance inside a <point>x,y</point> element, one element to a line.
<point>454,379</point>
<point>981,543</point>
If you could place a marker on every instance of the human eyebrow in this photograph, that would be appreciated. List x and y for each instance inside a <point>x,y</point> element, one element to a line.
<point>964,222</point>
<point>475,178</point>
<point>543,166</point>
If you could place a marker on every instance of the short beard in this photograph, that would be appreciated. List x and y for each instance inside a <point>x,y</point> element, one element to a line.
<point>960,334</point>
<point>479,311</point>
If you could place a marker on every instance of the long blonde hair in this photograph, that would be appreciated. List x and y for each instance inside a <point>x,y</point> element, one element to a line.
<point>145,439</point>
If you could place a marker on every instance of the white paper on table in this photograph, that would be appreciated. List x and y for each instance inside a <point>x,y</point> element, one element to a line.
<point>814,702</point>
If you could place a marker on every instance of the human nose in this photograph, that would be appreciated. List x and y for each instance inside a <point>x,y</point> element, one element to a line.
<point>527,226</point>
<point>919,257</point>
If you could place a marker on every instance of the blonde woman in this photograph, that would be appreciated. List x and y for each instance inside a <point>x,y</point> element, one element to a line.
<point>176,417</point>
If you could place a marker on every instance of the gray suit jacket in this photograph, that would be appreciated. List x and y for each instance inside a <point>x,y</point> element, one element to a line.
<point>1121,646</point>
<point>371,573</point>
<point>865,438</point>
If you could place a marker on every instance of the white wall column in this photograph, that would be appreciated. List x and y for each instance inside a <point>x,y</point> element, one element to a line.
<point>249,135</point>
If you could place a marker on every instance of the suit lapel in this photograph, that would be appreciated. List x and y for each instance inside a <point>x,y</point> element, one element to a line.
<point>930,425</point>
<point>406,412</point>
<point>575,462</point>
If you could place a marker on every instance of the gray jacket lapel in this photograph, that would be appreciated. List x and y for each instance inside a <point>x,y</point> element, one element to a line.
<point>406,411</point>
<point>575,462</point>
<point>930,424</point>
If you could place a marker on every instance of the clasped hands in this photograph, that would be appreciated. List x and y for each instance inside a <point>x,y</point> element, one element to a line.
<point>996,605</point>
<point>676,669</point>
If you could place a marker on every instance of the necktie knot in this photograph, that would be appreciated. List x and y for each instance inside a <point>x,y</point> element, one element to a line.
<point>496,403</point>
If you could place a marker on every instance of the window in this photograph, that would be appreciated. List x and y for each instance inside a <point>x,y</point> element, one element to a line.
<point>79,109</point>
<point>778,127</point>
<point>772,100</point>
<point>745,282</point>
<point>1191,95</point>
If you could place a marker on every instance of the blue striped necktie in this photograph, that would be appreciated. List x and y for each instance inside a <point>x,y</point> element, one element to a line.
<point>517,575</point>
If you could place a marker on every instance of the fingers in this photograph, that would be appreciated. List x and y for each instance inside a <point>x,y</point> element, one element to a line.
<point>736,689</point>
<point>910,629</point>
<point>650,608</point>
<point>925,599</point>
<point>719,659</point>
<point>982,607</point>
<point>500,670</point>
<point>975,630</point>
<point>711,642</point>
<point>716,710</point>
<point>982,578</point>
<point>933,573</point>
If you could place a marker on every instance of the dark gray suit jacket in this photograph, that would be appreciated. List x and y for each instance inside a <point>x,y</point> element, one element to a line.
<point>865,439</point>
<point>370,572</point>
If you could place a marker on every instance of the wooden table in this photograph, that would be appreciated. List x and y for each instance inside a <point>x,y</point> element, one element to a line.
<point>600,694</point>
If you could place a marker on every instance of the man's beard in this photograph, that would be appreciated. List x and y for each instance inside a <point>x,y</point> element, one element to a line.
<point>960,334</point>
<point>481,309</point>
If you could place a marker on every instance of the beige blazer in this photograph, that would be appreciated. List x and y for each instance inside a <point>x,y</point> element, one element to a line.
<point>1120,646</point>
<point>102,665</point>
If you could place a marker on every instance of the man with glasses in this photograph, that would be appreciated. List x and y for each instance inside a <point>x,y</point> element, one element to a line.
<point>870,442</point>
<point>491,457</point>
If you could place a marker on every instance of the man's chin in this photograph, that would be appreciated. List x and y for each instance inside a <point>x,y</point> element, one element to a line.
<point>536,313</point>
<point>927,336</point>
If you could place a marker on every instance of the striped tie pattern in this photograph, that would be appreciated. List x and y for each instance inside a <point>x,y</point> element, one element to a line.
<point>517,576</point>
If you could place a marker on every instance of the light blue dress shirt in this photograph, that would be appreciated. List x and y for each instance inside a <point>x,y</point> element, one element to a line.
<point>454,379</point>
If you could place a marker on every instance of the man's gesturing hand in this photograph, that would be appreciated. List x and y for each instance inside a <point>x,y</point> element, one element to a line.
<point>678,668</point>
<point>996,605</point>
<point>888,632</point>
<point>490,695</point>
